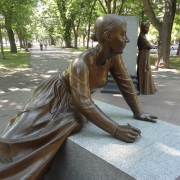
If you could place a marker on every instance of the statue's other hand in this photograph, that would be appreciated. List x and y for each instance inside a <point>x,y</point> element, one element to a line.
<point>127,133</point>
<point>146,117</point>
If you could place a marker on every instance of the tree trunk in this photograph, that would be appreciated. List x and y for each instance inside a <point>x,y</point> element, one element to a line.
<point>164,43</point>
<point>52,42</point>
<point>26,41</point>
<point>13,48</point>
<point>89,23</point>
<point>75,41</point>
<point>67,33</point>
<point>23,41</point>
<point>20,38</point>
<point>1,41</point>
<point>66,22</point>
<point>12,41</point>
<point>84,38</point>
<point>88,35</point>
<point>178,50</point>
<point>75,34</point>
<point>112,7</point>
<point>164,27</point>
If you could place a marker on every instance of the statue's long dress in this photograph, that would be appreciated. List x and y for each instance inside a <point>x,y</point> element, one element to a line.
<point>33,137</point>
<point>145,80</point>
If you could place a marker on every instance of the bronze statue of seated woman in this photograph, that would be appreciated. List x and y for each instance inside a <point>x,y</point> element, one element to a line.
<point>62,104</point>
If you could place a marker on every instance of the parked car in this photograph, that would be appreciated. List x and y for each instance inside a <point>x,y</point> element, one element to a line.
<point>174,47</point>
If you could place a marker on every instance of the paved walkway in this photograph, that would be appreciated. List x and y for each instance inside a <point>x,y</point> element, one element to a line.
<point>16,87</point>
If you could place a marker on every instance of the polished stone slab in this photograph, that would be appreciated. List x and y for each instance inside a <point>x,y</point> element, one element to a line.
<point>130,51</point>
<point>93,154</point>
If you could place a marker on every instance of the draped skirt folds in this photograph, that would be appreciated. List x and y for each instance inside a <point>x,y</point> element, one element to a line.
<point>32,138</point>
<point>145,80</point>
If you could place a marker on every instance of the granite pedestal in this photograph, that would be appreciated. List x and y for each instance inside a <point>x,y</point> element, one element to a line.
<point>92,154</point>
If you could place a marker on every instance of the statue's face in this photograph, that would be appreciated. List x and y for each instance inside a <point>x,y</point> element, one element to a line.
<point>146,29</point>
<point>119,40</point>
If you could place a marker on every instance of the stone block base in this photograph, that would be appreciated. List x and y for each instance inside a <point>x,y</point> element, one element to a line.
<point>92,154</point>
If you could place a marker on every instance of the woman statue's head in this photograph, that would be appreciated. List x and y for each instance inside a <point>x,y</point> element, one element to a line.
<point>109,23</point>
<point>145,27</point>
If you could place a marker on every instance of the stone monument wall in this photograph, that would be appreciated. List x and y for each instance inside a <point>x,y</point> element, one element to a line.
<point>130,50</point>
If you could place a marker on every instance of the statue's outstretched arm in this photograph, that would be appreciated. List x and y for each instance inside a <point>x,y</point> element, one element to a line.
<point>126,86</point>
<point>81,98</point>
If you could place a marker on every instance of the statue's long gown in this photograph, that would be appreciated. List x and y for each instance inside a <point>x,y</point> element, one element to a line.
<point>55,110</point>
<point>145,80</point>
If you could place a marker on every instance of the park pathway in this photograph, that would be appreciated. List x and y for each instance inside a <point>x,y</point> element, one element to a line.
<point>43,64</point>
<point>16,87</point>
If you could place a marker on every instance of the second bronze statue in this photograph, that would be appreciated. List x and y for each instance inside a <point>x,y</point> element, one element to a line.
<point>145,80</point>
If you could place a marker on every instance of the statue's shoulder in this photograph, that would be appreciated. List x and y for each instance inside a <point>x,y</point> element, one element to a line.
<point>83,60</point>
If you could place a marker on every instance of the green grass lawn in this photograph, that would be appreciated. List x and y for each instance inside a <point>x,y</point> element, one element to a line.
<point>174,60</point>
<point>79,49</point>
<point>14,60</point>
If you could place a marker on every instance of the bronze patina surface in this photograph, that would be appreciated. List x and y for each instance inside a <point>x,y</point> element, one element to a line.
<point>145,80</point>
<point>62,104</point>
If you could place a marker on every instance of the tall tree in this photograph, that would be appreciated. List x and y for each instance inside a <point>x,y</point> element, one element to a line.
<point>1,37</point>
<point>66,19</point>
<point>176,27</point>
<point>85,9</point>
<point>112,6</point>
<point>91,16</point>
<point>8,23</point>
<point>23,25</point>
<point>49,19</point>
<point>161,14</point>
<point>1,42</point>
<point>14,11</point>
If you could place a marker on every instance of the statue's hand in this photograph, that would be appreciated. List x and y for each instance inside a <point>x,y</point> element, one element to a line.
<point>146,117</point>
<point>127,133</point>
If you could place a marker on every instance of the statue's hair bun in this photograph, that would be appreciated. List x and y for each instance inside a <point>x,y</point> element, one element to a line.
<point>93,37</point>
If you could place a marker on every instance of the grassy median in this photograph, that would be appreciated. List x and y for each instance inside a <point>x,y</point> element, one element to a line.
<point>174,60</point>
<point>18,60</point>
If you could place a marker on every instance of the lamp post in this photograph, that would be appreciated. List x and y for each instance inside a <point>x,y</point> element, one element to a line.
<point>1,41</point>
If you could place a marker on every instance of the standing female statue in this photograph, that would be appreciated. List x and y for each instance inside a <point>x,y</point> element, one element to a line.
<point>62,104</point>
<point>145,80</point>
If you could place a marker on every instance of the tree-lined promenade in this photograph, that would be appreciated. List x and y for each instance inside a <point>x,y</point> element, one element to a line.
<point>68,23</point>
